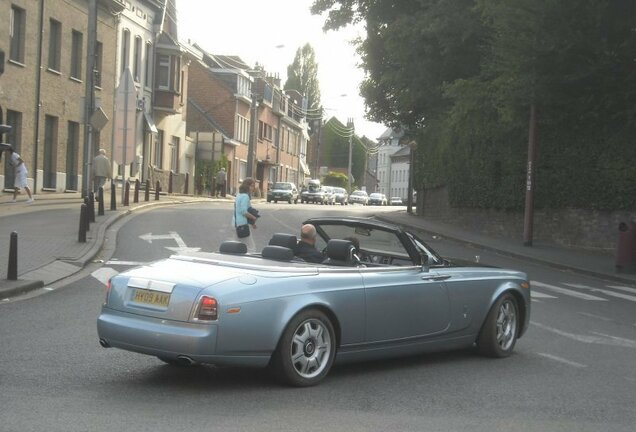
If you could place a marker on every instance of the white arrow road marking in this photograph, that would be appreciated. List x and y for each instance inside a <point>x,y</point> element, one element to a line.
<point>604,291</point>
<point>104,274</point>
<point>566,291</point>
<point>181,245</point>
<point>600,338</point>
<point>562,360</point>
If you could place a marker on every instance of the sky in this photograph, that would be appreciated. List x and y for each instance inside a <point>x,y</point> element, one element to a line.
<point>270,32</point>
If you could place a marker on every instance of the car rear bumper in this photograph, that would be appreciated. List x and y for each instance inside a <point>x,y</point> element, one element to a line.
<point>167,339</point>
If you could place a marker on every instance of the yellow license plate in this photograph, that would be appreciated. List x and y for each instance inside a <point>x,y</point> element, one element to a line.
<point>154,298</point>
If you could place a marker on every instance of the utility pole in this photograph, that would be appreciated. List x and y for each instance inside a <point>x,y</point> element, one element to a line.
<point>89,96</point>
<point>251,148</point>
<point>528,220</point>
<point>350,127</point>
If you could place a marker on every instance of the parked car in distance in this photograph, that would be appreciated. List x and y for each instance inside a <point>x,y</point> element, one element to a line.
<point>359,197</point>
<point>340,196</point>
<point>396,201</point>
<point>330,197</point>
<point>313,192</point>
<point>377,198</point>
<point>283,191</point>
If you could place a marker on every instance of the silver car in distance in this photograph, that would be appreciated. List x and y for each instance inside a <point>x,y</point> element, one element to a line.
<point>381,292</point>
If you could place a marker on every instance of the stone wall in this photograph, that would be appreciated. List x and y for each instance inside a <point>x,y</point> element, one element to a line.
<point>578,228</point>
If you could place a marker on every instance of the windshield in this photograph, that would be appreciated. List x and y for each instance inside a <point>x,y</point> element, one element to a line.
<point>283,186</point>
<point>359,193</point>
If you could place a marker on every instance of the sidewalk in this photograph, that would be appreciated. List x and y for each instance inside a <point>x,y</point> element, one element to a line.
<point>48,230</point>
<point>49,250</point>
<point>580,261</point>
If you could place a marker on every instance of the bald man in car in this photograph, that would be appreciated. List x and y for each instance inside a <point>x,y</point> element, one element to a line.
<point>306,247</point>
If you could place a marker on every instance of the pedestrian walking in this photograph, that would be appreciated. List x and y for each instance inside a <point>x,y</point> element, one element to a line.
<point>242,218</point>
<point>20,174</point>
<point>220,182</point>
<point>102,170</point>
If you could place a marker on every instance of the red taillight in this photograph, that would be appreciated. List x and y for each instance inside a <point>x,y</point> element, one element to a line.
<point>107,292</point>
<point>208,310</point>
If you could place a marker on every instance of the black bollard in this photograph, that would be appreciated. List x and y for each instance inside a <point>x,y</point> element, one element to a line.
<point>88,214</point>
<point>82,225</point>
<point>157,189</point>
<point>100,205</point>
<point>12,270</point>
<point>113,195</point>
<point>147,191</point>
<point>170,183</point>
<point>136,195</point>
<point>91,207</point>
<point>126,193</point>
<point>187,180</point>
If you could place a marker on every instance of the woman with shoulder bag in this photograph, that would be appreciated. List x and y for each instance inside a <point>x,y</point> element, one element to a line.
<point>242,218</point>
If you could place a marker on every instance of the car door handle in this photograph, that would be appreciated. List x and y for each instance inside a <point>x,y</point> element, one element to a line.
<point>436,277</point>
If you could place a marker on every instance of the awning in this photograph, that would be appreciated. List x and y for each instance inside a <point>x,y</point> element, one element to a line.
<point>150,123</point>
<point>303,165</point>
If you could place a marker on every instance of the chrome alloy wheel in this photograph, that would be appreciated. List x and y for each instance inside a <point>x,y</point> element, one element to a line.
<point>311,348</point>
<point>506,324</point>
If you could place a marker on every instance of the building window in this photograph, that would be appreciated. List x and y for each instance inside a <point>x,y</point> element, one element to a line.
<point>163,72</point>
<point>174,154</point>
<point>55,44</point>
<point>76,54</point>
<point>147,79</point>
<point>243,86</point>
<point>14,119</point>
<point>159,150</point>
<point>125,49</point>
<point>99,53</point>
<point>17,27</point>
<point>137,60</point>
<point>242,170</point>
<point>242,132</point>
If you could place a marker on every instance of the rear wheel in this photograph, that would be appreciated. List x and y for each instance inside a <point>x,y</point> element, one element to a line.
<point>306,349</point>
<point>499,332</point>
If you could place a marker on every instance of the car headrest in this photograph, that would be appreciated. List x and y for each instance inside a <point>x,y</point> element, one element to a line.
<point>233,247</point>
<point>278,253</point>
<point>340,250</point>
<point>285,240</point>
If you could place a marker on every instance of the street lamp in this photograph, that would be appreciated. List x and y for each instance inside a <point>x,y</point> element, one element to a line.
<point>351,128</point>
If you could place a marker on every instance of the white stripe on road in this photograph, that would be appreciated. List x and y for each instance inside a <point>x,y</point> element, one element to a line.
<point>604,291</point>
<point>536,294</point>
<point>623,288</point>
<point>104,274</point>
<point>125,263</point>
<point>562,360</point>
<point>599,338</point>
<point>566,291</point>
<point>602,318</point>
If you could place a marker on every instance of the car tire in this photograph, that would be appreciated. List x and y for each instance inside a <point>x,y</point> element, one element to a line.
<point>269,201</point>
<point>498,333</point>
<point>306,350</point>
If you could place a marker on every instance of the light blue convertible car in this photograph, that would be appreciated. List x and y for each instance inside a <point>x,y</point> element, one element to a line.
<point>381,292</point>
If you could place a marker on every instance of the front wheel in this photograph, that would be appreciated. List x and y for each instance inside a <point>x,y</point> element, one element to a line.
<point>306,349</point>
<point>498,334</point>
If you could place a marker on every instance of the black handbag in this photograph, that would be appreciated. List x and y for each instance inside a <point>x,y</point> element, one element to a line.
<point>242,231</point>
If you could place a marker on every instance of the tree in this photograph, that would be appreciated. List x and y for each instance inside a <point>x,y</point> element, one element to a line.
<point>302,76</point>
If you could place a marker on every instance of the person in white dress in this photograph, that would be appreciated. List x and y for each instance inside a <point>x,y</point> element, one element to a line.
<point>20,174</point>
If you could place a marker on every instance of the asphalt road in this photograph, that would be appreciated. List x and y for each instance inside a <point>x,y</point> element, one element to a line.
<point>573,370</point>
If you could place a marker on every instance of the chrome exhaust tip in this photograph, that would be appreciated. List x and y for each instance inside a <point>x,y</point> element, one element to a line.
<point>185,360</point>
<point>104,343</point>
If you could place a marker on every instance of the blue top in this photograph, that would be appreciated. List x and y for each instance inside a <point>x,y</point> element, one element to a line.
<point>242,203</point>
